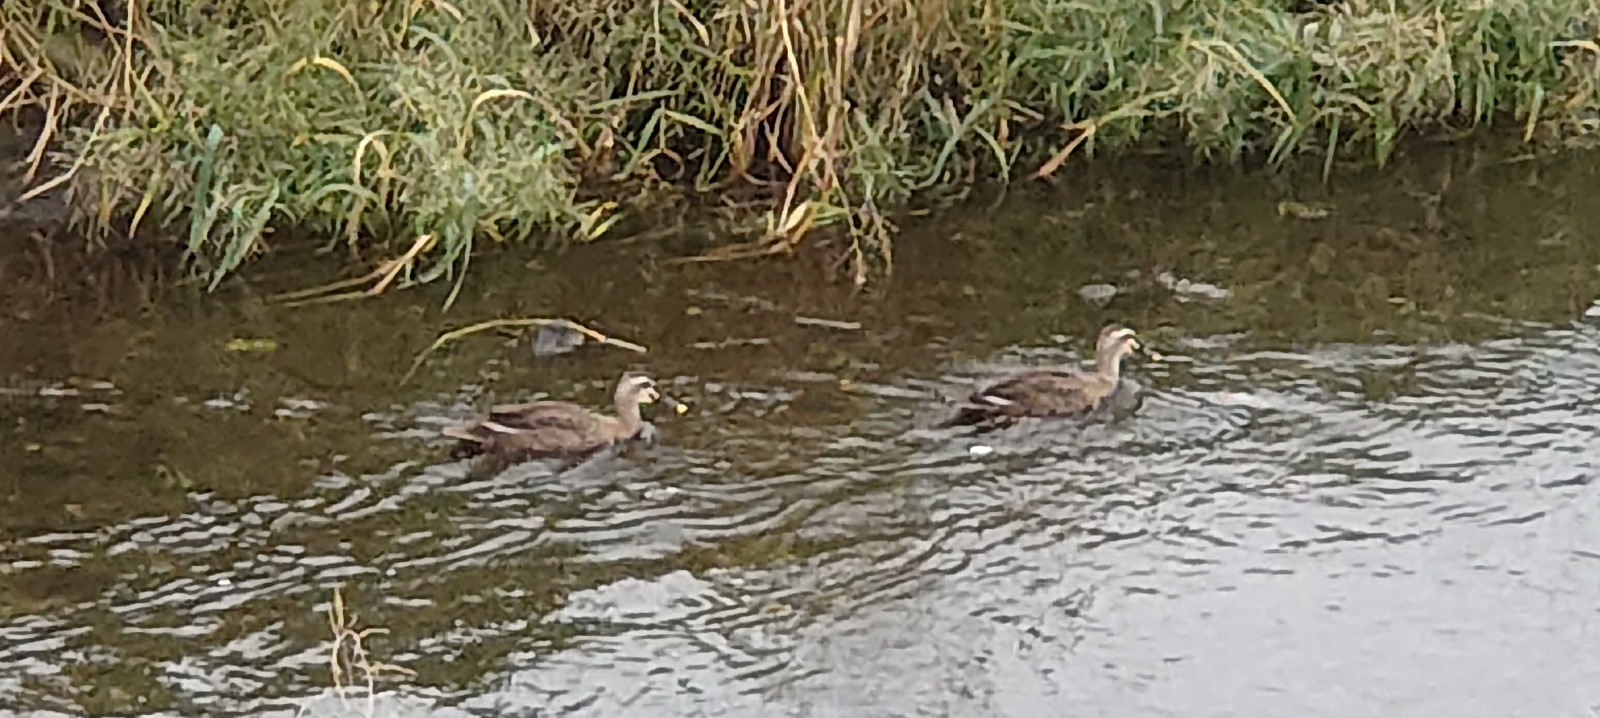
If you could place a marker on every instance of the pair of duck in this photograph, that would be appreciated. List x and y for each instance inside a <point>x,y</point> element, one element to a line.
<point>540,429</point>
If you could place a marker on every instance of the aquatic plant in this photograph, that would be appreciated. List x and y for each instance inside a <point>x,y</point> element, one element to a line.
<point>433,125</point>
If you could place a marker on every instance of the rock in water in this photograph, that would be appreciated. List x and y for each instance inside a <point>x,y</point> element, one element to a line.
<point>554,340</point>
<point>1098,293</point>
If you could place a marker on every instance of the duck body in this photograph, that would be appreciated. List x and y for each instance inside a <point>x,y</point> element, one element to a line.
<point>1034,393</point>
<point>544,429</point>
<point>1048,393</point>
<point>538,430</point>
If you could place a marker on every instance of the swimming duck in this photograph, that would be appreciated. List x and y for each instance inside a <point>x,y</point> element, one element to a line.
<point>1054,392</point>
<point>540,429</point>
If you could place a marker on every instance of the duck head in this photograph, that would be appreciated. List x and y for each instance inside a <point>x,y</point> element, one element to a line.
<point>1117,342</point>
<point>637,388</point>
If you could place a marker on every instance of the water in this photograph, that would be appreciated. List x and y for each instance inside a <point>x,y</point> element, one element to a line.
<point>1360,485</point>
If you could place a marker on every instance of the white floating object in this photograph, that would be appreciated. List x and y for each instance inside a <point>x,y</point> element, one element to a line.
<point>1098,293</point>
<point>980,450</point>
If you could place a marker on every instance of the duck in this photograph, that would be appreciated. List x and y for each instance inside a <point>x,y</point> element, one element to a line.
<point>544,429</point>
<point>1054,392</point>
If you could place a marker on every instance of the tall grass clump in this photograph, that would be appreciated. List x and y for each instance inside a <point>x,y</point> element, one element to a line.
<point>438,124</point>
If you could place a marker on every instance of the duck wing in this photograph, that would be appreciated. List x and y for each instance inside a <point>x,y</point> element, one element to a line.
<point>1035,392</point>
<point>1041,391</point>
<point>555,414</point>
<point>543,435</point>
<point>531,425</point>
<point>544,441</point>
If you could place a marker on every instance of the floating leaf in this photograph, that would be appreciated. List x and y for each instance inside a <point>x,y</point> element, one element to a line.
<point>254,346</point>
<point>1304,210</point>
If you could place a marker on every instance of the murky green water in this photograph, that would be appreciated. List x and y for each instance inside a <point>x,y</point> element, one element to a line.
<point>1362,485</point>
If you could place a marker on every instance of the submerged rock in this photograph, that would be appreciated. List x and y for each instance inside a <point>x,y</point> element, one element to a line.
<point>1187,290</point>
<point>554,340</point>
<point>1304,210</point>
<point>1098,293</point>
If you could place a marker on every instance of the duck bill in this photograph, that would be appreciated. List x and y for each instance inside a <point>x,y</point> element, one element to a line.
<point>1149,353</point>
<point>678,407</point>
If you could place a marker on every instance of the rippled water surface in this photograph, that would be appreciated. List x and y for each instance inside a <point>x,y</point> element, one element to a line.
<point>1361,484</point>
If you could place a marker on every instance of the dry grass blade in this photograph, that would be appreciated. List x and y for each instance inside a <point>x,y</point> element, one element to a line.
<point>466,134</point>
<point>1244,66</point>
<point>348,660</point>
<point>456,334</point>
<point>1088,129</point>
<point>381,276</point>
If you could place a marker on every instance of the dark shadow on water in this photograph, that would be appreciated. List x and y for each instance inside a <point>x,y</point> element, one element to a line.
<point>1355,485</point>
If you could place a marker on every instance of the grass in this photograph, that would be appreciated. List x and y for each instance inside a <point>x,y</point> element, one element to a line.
<point>416,130</point>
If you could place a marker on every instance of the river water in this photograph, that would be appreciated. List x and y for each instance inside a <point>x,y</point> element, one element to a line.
<point>1362,482</point>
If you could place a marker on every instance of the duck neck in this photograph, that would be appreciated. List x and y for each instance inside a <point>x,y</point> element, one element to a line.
<point>1109,366</point>
<point>628,418</point>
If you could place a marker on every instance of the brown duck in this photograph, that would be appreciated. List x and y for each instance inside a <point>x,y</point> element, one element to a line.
<point>541,429</point>
<point>1053,392</point>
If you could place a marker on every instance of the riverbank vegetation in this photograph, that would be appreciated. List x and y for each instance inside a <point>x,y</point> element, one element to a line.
<point>420,129</point>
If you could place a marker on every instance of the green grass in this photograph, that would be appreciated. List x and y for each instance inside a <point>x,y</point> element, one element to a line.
<point>375,123</point>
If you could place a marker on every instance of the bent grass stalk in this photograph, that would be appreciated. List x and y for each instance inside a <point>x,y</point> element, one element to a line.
<point>456,334</point>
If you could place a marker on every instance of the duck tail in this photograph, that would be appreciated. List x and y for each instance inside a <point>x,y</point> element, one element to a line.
<point>486,465</point>
<point>470,440</point>
<point>965,416</point>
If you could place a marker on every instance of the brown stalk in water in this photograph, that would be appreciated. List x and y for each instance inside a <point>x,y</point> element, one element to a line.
<point>381,276</point>
<point>455,334</point>
<point>343,664</point>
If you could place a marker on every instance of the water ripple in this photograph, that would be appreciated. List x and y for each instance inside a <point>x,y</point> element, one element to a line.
<point>809,547</point>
